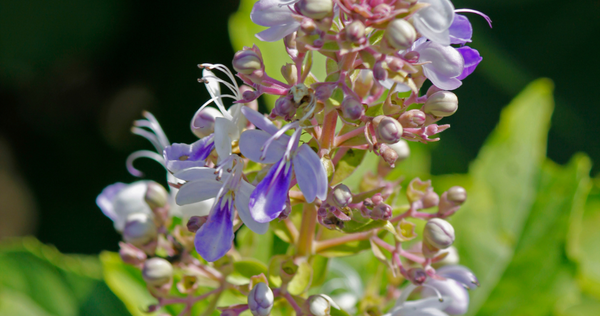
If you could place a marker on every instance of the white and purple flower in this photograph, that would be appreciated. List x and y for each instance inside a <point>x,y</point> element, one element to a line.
<point>271,146</point>
<point>277,15</point>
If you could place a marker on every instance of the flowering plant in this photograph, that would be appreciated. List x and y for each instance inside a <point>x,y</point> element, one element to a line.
<point>301,170</point>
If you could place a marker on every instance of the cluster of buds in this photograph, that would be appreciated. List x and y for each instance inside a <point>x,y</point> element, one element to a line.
<point>248,169</point>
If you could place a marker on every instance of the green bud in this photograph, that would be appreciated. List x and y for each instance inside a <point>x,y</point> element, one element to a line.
<point>441,104</point>
<point>400,34</point>
<point>290,73</point>
<point>247,61</point>
<point>438,233</point>
<point>315,9</point>
<point>156,195</point>
<point>157,271</point>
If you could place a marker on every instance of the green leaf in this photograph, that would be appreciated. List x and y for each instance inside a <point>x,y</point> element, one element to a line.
<point>504,177</point>
<point>522,291</point>
<point>301,280</point>
<point>245,269</point>
<point>347,165</point>
<point>319,267</point>
<point>375,110</point>
<point>254,245</point>
<point>361,224</point>
<point>36,279</point>
<point>368,164</point>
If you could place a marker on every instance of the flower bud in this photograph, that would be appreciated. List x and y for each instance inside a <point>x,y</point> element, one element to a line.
<point>315,9</point>
<point>195,222</point>
<point>438,233</point>
<point>203,122</point>
<point>401,148</point>
<point>400,34</point>
<point>416,189</point>
<point>441,104</point>
<point>157,271</point>
<point>430,199</point>
<point>341,195</point>
<point>139,229</point>
<point>412,118</point>
<point>379,73</point>
<point>355,31</point>
<point>387,129</point>
<point>284,107</point>
<point>319,305</point>
<point>381,211</point>
<point>457,195</point>
<point>417,276</point>
<point>412,57</point>
<point>389,155</point>
<point>260,300</point>
<point>156,195</point>
<point>130,254</point>
<point>352,109</point>
<point>290,73</point>
<point>247,61</point>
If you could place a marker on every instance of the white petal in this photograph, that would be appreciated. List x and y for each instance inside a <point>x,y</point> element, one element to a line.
<point>310,173</point>
<point>196,173</point>
<point>213,86</point>
<point>238,118</point>
<point>269,13</point>
<point>197,191</point>
<point>253,140</point>
<point>434,21</point>
<point>186,211</point>
<point>400,87</point>
<point>130,200</point>
<point>259,120</point>
<point>276,33</point>
<point>225,131</point>
<point>242,200</point>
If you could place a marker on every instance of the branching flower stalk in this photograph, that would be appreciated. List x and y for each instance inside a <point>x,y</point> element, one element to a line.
<point>283,170</point>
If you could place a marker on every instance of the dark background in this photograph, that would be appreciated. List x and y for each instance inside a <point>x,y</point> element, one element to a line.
<point>75,74</point>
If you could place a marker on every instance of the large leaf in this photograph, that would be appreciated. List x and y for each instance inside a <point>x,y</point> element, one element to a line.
<point>526,288</point>
<point>504,182</point>
<point>37,280</point>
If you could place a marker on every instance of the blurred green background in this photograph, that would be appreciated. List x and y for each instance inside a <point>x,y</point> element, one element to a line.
<point>75,74</point>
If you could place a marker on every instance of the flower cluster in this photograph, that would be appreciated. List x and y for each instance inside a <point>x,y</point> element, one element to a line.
<point>284,168</point>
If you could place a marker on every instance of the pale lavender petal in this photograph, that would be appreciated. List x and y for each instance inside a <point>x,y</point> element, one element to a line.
<point>196,173</point>
<point>268,199</point>
<point>277,32</point>
<point>449,288</point>
<point>472,59</point>
<point>128,200</point>
<point>242,202</point>
<point>259,120</point>
<point>182,156</point>
<point>225,133</point>
<point>459,273</point>
<point>423,307</point>
<point>461,30</point>
<point>214,239</point>
<point>310,173</point>
<point>442,82</point>
<point>269,13</point>
<point>105,199</point>
<point>197,191</point>
<point>446,63</point>
<point>252,141</point>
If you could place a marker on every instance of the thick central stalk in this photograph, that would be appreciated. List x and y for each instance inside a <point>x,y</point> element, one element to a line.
<point>307,230</point>
<point>328,132</point>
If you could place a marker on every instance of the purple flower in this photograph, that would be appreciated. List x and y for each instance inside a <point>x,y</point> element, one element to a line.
<point>277,15</point>
<point>458,279</point>
<point>472,59</point>
<point>271,145</point>
<point>229,190</point>
<point>445,64</point>
<point>182,156</point>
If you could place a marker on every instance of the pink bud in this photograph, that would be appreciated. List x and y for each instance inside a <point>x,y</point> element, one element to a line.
<point>352,109</point>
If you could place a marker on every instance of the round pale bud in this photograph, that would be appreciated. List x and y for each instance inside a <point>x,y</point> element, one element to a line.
<point>387,129</point>
<point>412,118</point>
<point>401,148</point>
<point>389,155</point>
<point>355,31</point>
<point>260,300</point>
<point>139,229</point>
<point>247,61</point>
<point>441,104</point>
<point>290,73</point>
<point>457,195</point>
<point>156,195</point>
<point>341,195</point>
<point>203,122</point>
<point>417,276</point>
<point>130,254</point>
<point>284,107</point>
<point>157,271</point>
<point>400,34</point>
<point>352,109</point>
<point>318,305</point>
<point>379,73</point>
<point>315,9</point>
<point>381,211</point>
<point>430,199</point>
<point>438,233</point>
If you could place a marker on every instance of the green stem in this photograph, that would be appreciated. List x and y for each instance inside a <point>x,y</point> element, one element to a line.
<point>307,230</point>
<point>326,244</point>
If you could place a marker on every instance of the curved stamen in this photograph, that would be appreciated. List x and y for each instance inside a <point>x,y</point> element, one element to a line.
<point>311,106</point>
<point>487,18</point>
<point>219,105</point>
<point>227,84</point>
<point>276,137</point>
<point>439,295</point>
<point>139,154</point>
<point>149,136</point>
<point>223,69</point>
<point>155,127</point>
